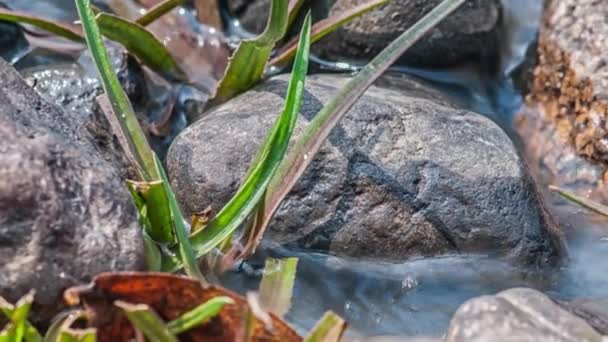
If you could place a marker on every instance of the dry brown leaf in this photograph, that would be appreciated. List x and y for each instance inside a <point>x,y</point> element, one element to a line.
<point>169,296</point>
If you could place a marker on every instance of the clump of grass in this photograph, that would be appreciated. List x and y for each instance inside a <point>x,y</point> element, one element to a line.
<point>169,244</point>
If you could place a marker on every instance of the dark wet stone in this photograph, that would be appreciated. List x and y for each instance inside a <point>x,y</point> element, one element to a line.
<point>518,314</point>
<point>65,214</point>
<point>470,33</point>
<point>75,87</point>
<point>406,173</point>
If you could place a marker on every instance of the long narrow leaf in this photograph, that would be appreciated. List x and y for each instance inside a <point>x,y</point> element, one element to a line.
<point>272,152</point>
<point>329,329</point>
<point>247,64</point>
<point>318,129</point>
<point>186,251</point>
<point>294,9</point>
<point>65,30</point>
<point>141,43</point>
<point>125,115</point>
<point>62,322</point>
<point>158,11</point>
<point>199,315</point>
<point>147,321</point>
<point>584,202</point>
<point>325,27</point>
<point>276,288</point>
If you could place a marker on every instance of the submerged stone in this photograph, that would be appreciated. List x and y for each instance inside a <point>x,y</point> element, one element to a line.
<point>407,172</point>
<point>65,215</point>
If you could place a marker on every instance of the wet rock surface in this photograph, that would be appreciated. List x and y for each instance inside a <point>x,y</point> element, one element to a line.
<point>405,173</point>
<point>567,96</point>
<point>593,311</point>
<point>519,314</point>
<point>470,33</point>
<point>64,213</point>
<point>75,87</point>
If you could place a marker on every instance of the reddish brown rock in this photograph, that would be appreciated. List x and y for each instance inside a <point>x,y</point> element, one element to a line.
<point>565,130</point>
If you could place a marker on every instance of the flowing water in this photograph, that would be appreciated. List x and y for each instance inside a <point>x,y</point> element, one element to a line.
<point>418,297</point>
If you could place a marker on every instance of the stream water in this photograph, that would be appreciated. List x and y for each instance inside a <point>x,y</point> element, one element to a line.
<point>418,297</point>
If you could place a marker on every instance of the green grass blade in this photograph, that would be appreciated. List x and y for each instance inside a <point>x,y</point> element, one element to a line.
<point>199,315</point>
<point>329,329</point>
<point>158,11</point>
<point>265,165</point>
<point>248,62</point>
<point>136,139</point>
<point>318,129</point>
<point>584,202</point>
<point>18,327</point>
<point>147,321</point>
<point>139,42</point>
<point>153,255</point>
<point>187,253</point>
<point>65,30</point>
<point>276,288</point>
<point>31,334</point>
<point>61,324</point>
<point>325,27</point>
<point>155,197</point>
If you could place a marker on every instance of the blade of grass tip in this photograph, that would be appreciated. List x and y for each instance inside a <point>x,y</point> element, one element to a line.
<point>65,30</point>
<point>137,142</point>
<point>31,333</point>
<point>141,43</point>
<point>276,288</point>
<point>158,11</point>
<point>186,251</point>
<point>199,315</point>
<point>584,202</point>
<point>300,156</point>
<point>147,321</point>
<point>18,320</point>
<point>325,27</point>
<point>273,150</point>
<point>248,62</point>
<point>329,329</point>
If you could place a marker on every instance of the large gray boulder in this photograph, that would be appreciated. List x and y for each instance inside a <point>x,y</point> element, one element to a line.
<point>406,173</point>
<point>517,315</point>
<point>65,215</point>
